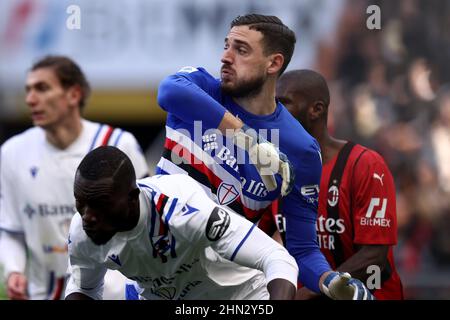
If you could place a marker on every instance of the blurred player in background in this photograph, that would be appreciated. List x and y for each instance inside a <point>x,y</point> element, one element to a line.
<point>357,221</point>
<point>160,231</point>
<point>257,50</point>
<point>37,172</point>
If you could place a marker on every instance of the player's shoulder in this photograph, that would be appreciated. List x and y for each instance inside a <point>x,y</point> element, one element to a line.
<point>97,128</point>
<point>364,156</point>
<point>198,71</point>
<point>368,163</point>
<point>117,136</point>
<point>172,185</point>
<point>20,144</point>
<point>301,146</point>
<point>121,137</point>
<point>163,181</point>
<point>201,77</point>
<point>295,136</point>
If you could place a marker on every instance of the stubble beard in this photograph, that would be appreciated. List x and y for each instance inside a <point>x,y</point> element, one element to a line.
<point>245,88</point>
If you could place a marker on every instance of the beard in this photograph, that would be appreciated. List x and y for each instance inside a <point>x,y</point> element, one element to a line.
<point>244,88</point>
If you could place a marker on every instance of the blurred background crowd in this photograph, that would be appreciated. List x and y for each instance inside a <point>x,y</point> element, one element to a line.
<point>390,88</point>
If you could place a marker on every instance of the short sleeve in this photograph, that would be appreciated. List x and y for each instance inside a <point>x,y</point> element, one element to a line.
<point>374,207</point>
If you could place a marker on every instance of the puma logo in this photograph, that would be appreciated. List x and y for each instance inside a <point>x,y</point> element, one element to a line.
<point>376,176</point>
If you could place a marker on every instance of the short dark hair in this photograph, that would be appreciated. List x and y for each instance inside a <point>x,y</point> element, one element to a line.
<point>68,74</point>
<point>277,36</point>
<point>312,85</point>
<point>107,162</point>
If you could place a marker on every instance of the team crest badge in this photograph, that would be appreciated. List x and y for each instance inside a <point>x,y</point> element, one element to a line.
<point>226,193</point>
<point>333,196</point>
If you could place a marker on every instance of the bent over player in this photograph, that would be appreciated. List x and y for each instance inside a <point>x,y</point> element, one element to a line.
<point>167,235</point>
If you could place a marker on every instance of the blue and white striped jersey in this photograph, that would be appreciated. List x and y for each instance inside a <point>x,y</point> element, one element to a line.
<point>184,246</point>
<point>196,105</point>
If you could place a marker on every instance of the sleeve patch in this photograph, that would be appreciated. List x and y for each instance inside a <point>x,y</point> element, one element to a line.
<point>188,69</point>
<point>218,223</point>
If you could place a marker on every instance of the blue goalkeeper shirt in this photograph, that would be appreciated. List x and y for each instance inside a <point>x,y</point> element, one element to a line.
<point>193,96</point>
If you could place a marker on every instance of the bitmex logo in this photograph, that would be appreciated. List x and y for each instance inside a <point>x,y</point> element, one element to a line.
<point>379,219</point>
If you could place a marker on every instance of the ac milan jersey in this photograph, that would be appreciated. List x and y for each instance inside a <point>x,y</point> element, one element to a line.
<point>196,104</point>
<point>357,207</point>
<point>37,195</point>
<point>184,246</point>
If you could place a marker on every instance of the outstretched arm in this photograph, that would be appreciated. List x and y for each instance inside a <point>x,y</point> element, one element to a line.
<point>236,239</point>
<point>186,95</point>
<point>280,289</point>
<point>356,265</point>
<point>245,244</point>
<point>300,210</point>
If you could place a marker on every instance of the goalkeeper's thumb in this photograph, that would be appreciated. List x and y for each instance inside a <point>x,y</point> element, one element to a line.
<point>341,286</point>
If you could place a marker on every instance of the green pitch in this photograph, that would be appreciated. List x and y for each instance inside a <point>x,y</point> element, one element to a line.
<point>2,292</point>
<point>2,285</point>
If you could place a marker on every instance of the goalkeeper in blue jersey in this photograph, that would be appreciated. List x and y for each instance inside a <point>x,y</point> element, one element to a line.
<point>244,147</point>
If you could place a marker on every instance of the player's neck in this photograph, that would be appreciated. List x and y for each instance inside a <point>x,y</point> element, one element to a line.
<point>65,133</point>
<point>262,103</point>
<point>329,145</point>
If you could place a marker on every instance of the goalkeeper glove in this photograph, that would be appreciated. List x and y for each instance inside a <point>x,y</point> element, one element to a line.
<point>267,158</point>
<point>341,286</point>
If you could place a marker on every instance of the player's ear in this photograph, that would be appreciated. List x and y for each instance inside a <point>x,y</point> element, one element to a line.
<point>74,95</point>
<point>316,110</point>
<point>275,63</point>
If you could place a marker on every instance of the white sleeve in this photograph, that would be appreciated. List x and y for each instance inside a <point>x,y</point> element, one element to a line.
<point>129,145</point>
<point>233,237</point>
<point>259,251</point>
<point>86,281</point>
<point>85,275</point>
<point>9,201</point>
<point>245,244</point>
<point>12,253</point>
<point>12,242</point>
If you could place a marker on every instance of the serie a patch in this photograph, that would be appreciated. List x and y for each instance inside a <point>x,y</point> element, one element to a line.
<point>218,223</point>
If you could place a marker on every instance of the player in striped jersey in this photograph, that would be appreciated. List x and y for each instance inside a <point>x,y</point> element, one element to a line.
<point>166,234</point>
<point>37,172</point>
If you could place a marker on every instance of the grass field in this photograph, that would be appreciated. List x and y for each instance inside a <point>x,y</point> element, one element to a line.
<point>2,287</point>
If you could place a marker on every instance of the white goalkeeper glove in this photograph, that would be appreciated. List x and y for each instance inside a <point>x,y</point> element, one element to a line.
<point>341,286</point>
<point>267,158</point>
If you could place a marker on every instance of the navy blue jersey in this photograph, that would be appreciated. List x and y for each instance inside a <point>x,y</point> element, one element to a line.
<point>196,105</point>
